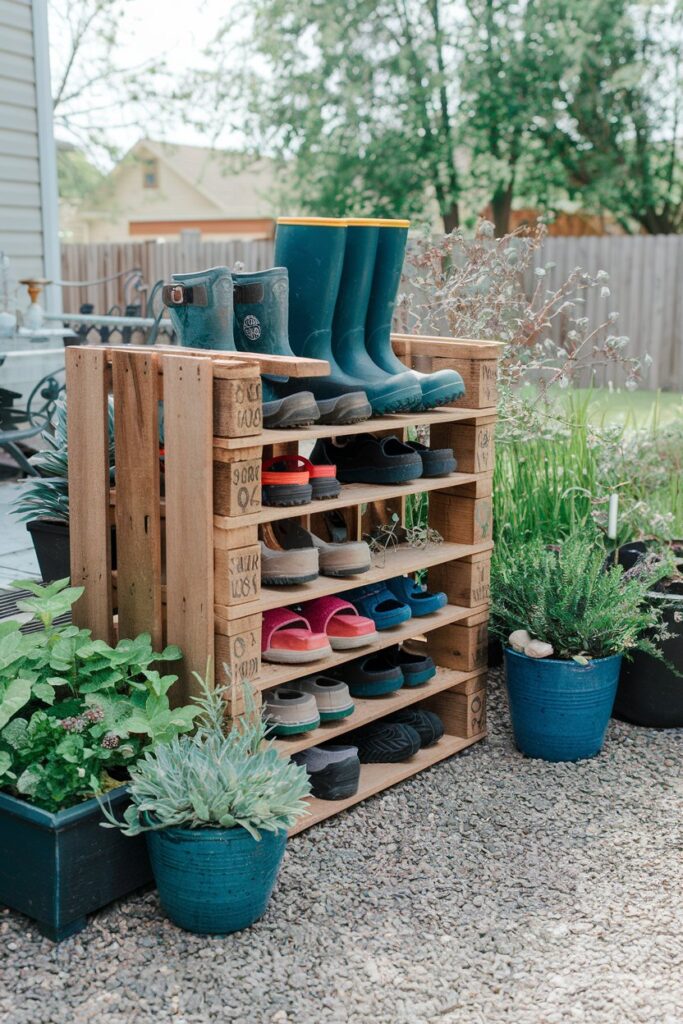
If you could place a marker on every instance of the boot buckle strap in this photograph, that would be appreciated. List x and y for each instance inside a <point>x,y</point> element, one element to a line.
<point>246,294</point>
<point>184,295</point>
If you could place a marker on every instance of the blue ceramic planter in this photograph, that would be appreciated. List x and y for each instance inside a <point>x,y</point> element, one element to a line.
<point>215,880</point>
<point>560,709</point>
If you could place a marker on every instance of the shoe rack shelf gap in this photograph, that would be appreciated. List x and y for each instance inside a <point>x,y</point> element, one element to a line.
<point>186,520</point>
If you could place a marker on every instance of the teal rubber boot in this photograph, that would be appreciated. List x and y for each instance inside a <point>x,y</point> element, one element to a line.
<point>440,388</point>
<point>261,325</point>
<point>260,305</point>
<point>390,391</point>
<point>201,306</point>
<point>312,249</point>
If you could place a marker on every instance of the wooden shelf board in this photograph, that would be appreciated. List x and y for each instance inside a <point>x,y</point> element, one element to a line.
<point>376,777</point>
<point>449,414</point>
<point>368,709</point>
<point>351,494</point>
<point>275,675</point>
<point>400,560</point>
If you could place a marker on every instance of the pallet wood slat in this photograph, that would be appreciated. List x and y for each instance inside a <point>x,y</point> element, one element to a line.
<point>396,562</point>
<point>188,439</point>
<point>89,527</point>
<point>138,520</point>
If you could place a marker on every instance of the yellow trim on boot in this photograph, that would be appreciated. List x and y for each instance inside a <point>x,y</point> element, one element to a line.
<point>332,222</point>
<point>376,222</point>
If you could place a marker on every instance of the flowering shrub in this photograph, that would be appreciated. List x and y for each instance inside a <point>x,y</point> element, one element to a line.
<point>75,713</point>
<point>475,288</point>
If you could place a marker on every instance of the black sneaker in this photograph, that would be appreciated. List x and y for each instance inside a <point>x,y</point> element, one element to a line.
<point>334,770</point>
<point>426,724</point>
<point>384,741</point>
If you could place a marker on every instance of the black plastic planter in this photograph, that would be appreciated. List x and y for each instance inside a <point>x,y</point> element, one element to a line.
<point>51,541</point>
<point>56,868</point>
<point>649,692</point>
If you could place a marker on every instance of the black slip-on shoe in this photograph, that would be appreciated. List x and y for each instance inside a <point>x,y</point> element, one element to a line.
<point>366,459</point>
<point>333,769</point>
<point>435,461</point>
<point>370,676</point>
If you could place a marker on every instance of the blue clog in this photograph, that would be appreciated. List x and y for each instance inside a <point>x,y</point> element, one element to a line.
<point>380,605</point>
<point>417,597</point>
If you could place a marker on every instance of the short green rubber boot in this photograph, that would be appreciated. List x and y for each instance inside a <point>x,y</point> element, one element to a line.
<point>390,392</point>
<point>312,249</point>
<point>201,308</point>
<point>440,388</point>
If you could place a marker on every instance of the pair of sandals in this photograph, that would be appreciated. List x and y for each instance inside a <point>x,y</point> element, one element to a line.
<point>314,631</point>
<point>288,480</point>
<point>291,555</point>
<point>395,601</point>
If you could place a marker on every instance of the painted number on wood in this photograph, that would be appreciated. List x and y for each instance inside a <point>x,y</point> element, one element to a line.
<point>246,485</point>
<point>244,575</point>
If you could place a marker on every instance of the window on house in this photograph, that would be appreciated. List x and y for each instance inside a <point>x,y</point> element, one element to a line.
<point>150,174</point>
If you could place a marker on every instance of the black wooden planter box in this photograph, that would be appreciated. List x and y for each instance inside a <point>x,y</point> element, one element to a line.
<point>56,868</point>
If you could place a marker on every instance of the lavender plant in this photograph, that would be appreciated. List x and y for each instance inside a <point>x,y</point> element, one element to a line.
<point>214,779</point>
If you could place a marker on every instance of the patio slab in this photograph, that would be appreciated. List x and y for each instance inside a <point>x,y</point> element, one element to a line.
<point>17,556</point>
<point>492,889</point>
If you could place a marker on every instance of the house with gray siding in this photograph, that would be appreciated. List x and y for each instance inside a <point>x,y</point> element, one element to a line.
<point>29,227</point>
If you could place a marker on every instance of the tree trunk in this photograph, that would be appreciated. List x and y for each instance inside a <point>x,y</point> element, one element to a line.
<point>451,218</point>
<point>501,206</point>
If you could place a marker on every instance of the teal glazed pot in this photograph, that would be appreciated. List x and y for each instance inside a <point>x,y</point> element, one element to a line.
<point>214,881</point>
<point>560,709</point>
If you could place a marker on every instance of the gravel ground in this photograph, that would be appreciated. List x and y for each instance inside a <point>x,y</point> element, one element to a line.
<point>489,889</point>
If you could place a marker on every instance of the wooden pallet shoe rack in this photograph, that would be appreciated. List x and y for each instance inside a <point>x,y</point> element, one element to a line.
<point>187,566</point>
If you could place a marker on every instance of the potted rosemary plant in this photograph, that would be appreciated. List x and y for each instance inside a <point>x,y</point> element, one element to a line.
<point>215,807</point>
<point>566,622</point>
<point>44,502</point>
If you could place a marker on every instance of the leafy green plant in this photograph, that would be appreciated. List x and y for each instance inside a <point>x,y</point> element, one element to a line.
<point>565,596</point>
<point>72,709</point>
<point>47,496</point>
<point>215,780</point>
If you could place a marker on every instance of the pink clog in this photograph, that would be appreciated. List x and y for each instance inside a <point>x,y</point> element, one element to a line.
<point>345,628</point>
<point>288,638</point>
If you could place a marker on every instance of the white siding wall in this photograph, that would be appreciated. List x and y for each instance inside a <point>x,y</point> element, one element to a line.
<point>21,235</point>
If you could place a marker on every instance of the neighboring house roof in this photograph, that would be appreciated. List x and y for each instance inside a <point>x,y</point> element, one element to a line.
<point>235,184</point>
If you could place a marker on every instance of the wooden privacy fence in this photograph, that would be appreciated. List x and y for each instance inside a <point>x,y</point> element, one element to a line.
<point>646,273</point>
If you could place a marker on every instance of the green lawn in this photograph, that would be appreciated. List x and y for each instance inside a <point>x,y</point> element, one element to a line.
<point>633,408</point>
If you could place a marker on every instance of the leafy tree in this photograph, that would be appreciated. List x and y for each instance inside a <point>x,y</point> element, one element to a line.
<point>620,140</point>
<point>97,94</point>
<point>361,93</point>
<point>392,106</point>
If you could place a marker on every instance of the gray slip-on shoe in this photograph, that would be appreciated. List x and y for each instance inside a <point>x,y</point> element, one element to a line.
<point>332,696</point>
<point>282,568</point>
<point>347,559</point>
<point>289,711</point>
